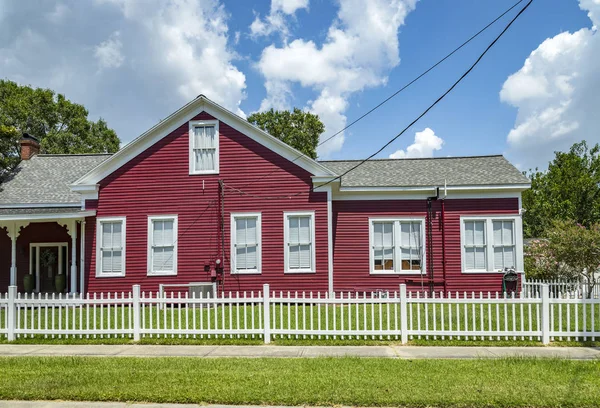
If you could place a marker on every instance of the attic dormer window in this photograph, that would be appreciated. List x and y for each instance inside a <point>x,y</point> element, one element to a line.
<point>204,147</point>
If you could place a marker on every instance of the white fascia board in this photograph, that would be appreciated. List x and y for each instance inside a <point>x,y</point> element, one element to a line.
<point>47,217</point>
<point>423,195</point>
<point>39,205</point>
<point>495,187</point>
<point>180,117</point>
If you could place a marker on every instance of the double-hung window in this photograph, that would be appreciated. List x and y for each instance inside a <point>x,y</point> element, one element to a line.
<point>110,247</point>
<point>162,245</point>
<point>299,244</point>
<point>204,147</point>
<point>490,244</point>
<point>246,243</point>
<point>397,246</point>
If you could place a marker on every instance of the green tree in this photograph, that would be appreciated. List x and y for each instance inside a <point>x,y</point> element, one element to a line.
<point>61,126</point>
<point>299,129</point>
<point>571,251</point>
<point>568,190</point>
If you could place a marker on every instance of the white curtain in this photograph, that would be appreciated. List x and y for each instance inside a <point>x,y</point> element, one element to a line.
<point>205,147</point>
<point>246,237</point>
<point>504,244</point>
<point>475,257</point>
<point>111,247</point>
<point>163,243</point>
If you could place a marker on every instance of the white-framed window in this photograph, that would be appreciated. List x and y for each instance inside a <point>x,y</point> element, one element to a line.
<point>299,245</point>
<point>204,146</point>
<point>162,245</point>
<point>246,243</point>
<point>110,247</point>
<point>491,243</point>
<point>397,245</point>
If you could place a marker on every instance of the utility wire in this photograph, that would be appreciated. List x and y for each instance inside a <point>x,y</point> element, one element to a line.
<point>463,76</point>
<point>407,85</point>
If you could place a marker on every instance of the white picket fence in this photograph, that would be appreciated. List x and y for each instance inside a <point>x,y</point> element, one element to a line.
<point>561,288</point>
<point>271,315</point>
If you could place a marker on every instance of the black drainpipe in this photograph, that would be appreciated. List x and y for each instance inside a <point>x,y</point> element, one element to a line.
<point>430,239</point>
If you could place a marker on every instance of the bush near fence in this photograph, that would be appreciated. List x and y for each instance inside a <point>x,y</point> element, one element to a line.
<point>399,316</point>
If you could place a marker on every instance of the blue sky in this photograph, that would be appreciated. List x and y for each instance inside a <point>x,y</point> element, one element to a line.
<point>135,62</point>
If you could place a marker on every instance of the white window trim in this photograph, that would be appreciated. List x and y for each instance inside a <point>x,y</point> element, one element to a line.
<point>397,252</point>
<point>286,242</point>
<point>99,222</point>
<point>192,125</point>
<point>233,251</point>
<point>489,233</point>
<point>151,219</point>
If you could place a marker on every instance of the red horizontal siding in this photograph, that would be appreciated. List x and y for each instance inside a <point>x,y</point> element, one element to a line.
<point>351,243</point>
<point>158,182</point>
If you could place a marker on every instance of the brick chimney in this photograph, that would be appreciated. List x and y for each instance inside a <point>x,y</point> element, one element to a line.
<point>30,146</point>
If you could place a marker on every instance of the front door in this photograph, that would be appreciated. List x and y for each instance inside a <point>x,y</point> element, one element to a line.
<point>48,268</point>
<point>47,261</point>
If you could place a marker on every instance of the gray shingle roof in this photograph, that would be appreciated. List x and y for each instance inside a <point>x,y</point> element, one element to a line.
<point>456,171</point>
<point>47,179</point>
<point>39,211</point>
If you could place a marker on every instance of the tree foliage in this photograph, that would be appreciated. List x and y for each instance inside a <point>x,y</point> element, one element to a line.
<point>61,126</point>
<point>568,190</point>
<point>571,251</point>
<point>299,129</point>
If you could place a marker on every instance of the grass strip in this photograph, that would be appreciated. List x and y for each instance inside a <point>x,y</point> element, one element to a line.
<point>511,382</point>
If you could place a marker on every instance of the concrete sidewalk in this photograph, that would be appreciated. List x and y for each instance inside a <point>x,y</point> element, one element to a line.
<point>404,352</point>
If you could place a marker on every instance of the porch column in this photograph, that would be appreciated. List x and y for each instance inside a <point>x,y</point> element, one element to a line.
<point>73,285</point>
<point>12,231</point>
<point>82,258</point>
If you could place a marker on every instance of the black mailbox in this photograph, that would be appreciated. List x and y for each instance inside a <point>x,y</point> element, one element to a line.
<point>509,281</point>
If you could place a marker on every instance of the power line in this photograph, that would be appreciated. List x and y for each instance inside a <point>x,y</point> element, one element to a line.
<point>463,76</point>
<point>407,85</point>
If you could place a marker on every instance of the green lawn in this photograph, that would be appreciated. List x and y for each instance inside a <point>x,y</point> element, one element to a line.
<point>366,320</point>
<point>322,381</point>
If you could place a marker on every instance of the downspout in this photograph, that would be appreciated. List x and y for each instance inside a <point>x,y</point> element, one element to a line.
<point>430,238</point>
<point>222,197</point>
<point>444,239</point>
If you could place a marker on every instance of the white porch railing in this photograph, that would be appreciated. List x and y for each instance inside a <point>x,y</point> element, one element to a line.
<point>268,315</point>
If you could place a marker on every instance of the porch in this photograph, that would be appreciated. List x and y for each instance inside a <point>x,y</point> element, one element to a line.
<point>41,249</point>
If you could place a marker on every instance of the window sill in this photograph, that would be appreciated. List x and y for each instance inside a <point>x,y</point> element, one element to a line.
<point>396,273</point>
<point>201,173</point>
<point>246,272</point>
<point>298,272</point>
<point>105,275</point>
<point>482,271</point>
<point>162,274</point>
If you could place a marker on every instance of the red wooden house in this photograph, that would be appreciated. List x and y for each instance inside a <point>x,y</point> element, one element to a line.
<point>204,196</point>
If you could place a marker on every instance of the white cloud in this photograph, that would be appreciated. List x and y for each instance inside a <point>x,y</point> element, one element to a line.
<point>360,48</point>
<point>426,142</point>
<point>276,20</point>
<point>167,54</point>
<point>187,40</point>
<point>556,93</point>
<point>108,53</point>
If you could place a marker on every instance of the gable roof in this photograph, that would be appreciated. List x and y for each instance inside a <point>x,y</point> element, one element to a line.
<point>184,114</point>
<point>430,172</point>
<point>46,179</point>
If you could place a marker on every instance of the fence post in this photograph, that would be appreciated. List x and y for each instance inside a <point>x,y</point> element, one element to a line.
<point>11,313</point>
<point>136,312</point>
<point>545,314</point>
<point>267,313</point>
<point>403,315</point>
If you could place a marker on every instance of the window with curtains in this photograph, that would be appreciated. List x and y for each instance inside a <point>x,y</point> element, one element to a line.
<point>299,242</point>
<point>246,240</point>
<point>397,246</point>
<point>491,244</point>
<point>162,245</point>
<point>110,243</point>
<point>204,147</point>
